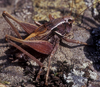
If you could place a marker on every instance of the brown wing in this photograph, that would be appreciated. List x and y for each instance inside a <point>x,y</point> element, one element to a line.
<point>29,28</point>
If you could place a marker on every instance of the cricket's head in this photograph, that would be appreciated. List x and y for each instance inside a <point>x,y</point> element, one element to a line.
<point>68,19</point>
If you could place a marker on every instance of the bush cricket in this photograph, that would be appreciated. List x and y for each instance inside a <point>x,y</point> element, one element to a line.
<point>50,33</point>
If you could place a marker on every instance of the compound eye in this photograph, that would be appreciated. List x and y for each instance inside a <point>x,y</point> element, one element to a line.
<point>69,20</point>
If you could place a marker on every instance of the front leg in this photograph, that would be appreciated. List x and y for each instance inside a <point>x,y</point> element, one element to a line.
<point>74,41</point>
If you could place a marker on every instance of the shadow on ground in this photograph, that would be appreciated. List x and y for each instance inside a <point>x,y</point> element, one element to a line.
<point>92,52</point>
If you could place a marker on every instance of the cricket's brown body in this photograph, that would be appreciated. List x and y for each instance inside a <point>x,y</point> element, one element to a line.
<point>50,32</point>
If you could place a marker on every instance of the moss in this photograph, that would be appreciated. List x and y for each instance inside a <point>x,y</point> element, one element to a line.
<point>45,7</point>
